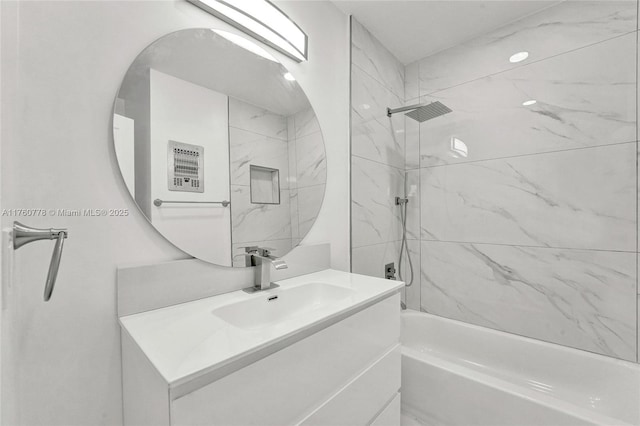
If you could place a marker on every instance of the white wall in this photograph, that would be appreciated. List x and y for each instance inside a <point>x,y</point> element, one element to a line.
<point>185,112</point>
<point>57,104</point>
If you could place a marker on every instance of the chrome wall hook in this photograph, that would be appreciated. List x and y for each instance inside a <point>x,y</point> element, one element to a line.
<point>23,234</point>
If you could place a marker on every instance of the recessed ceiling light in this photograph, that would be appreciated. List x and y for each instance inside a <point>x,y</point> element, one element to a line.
<point>518,57</point>
<point>529,102</point>
<point>289,77</point>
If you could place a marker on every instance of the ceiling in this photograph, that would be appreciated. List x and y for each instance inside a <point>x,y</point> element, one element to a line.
<point>414,29</point>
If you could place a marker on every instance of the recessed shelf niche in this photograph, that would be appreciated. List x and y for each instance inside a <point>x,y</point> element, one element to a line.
<point>265,185</point>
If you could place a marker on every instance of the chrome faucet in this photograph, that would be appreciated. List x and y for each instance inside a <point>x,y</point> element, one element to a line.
<point>262,259</point>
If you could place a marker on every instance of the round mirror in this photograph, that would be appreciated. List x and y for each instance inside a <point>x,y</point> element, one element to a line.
<point>219,146</point>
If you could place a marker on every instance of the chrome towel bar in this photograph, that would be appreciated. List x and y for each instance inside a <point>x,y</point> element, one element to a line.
<point>23,234</point>
<point>158,202</point>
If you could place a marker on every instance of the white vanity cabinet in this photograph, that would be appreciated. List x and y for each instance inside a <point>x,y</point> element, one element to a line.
<point>345,371</point>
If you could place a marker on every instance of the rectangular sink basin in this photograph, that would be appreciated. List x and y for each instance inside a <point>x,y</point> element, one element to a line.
<point>281,304</point>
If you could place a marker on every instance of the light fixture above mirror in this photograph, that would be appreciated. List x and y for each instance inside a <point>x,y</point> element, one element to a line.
<point>262,20</point>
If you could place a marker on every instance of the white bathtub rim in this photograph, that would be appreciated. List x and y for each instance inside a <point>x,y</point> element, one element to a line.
<point>622,368</point>
<point>550,402</point>
<point>555,346</point>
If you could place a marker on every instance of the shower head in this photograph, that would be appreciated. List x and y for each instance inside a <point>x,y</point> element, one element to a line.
<point>422,112</point>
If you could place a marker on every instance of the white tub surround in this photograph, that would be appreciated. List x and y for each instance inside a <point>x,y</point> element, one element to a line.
<point>455,373</point>
<point>300,353</point>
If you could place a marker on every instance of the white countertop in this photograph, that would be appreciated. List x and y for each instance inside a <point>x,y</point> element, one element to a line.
<point>187,341</point>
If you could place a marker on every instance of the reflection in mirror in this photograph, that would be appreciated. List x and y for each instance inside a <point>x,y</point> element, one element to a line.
<point>204,118</point>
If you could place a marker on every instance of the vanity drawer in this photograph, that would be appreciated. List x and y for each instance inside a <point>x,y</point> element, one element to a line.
<point>364,397</point>
<point>285,387</point>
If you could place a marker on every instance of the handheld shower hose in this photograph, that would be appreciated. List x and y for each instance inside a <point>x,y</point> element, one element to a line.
<point>402,202</point>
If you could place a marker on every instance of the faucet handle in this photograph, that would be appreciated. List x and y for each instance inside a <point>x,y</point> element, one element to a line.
<point>260,251</point>
<point>250,251</point>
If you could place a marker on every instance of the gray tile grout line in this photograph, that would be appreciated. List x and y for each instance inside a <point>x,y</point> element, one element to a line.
<point>384,85</point>
<point>494,29</point>
<point>526,64</point>
<point>527,155</point>
<point>530,246</point>
<point>404,67</point>
<point>253,132</point>
<point>377,162</point>
<point>379,244</point>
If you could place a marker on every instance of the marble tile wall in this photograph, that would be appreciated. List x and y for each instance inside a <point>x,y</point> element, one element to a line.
<point>308,171</point>
<point>553,31</point>
<point>377,159</point>
<point>259,137</point>
<point>527,215</point>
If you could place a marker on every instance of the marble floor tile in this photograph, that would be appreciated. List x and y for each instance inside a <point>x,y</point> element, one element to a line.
<point>581,100</point>
<point>579,298</point>
<point>562,28</point>
<point>583,198</point>
<point>375,217</point>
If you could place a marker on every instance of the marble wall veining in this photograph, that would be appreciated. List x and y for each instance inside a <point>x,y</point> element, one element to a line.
<point>293,145</point>
<point>377,154</point>
<point>307,171</point>
<point>258,137</point>
<point>527,215</point>
<point>580,102</point>
<point>556,30</point>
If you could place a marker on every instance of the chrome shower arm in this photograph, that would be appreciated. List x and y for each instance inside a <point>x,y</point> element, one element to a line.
<point>390,111</point>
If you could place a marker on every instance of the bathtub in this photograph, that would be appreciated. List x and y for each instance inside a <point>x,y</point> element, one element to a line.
<point>454,373</point>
